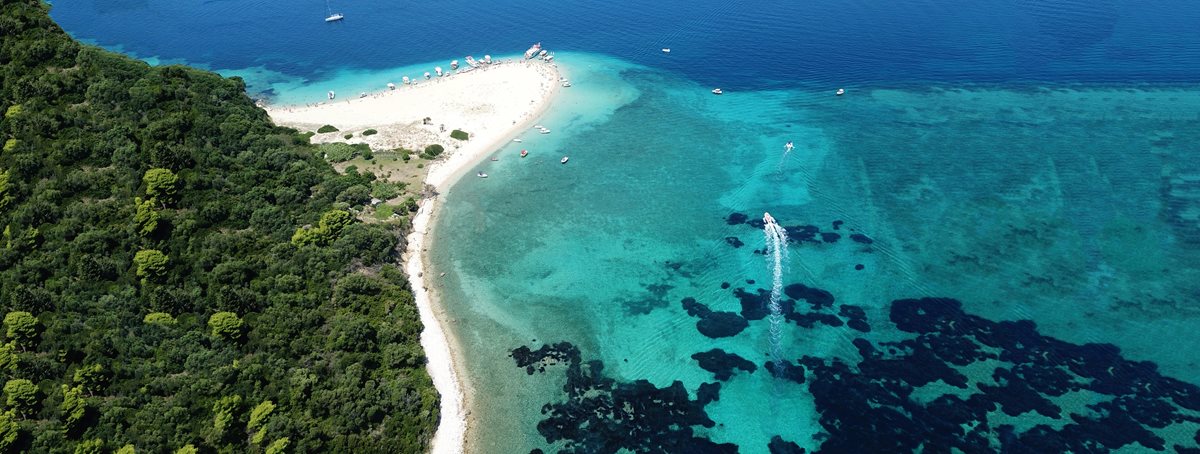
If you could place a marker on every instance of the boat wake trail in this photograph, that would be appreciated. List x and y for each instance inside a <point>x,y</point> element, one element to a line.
<point>776,239</point>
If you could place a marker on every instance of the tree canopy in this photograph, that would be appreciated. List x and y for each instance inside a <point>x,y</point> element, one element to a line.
<point>155,297</point>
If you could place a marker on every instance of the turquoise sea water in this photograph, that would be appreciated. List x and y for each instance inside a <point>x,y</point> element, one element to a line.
<point>1070,206</point>
<point>1034,163</point>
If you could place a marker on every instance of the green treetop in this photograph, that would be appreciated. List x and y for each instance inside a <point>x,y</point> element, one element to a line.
<point>22,395</point>
<point>161,185</point>
<point>94,446</point>
<point>22,328</point>
<point>74,406</point>
<point>151,264</point>
<point>226,325</point>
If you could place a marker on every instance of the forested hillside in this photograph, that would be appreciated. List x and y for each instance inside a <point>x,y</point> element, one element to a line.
<point>179,275</point>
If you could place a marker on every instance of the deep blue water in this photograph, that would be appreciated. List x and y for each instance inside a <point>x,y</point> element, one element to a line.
<point>741,45</point>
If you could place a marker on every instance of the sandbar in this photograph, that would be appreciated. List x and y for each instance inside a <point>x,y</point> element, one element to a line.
<point>494,103</point>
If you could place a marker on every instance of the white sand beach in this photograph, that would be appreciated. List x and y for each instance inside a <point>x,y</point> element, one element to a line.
<point>494,104</point>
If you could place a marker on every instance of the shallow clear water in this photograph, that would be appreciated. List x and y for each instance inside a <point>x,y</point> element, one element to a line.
<point>1033,161</point>
<point>1048,204</point>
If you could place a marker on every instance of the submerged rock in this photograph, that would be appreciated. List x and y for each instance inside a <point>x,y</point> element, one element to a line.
<point>779,446</point>
<point>714,324</point>
<point>723,364</point>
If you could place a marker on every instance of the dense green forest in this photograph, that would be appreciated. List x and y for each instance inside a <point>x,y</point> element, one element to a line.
<point>177,274</point>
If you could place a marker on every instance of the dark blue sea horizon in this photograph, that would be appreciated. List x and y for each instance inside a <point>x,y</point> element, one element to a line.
<point>749,45</point>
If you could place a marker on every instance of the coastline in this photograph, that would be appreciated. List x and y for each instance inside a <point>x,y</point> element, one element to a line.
<point>445,366</point>
<point>481,101</point>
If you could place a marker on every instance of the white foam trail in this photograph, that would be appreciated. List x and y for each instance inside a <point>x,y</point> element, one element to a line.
<point>776,239</point>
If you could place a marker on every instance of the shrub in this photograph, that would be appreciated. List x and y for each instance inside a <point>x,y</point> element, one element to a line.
<point>348,136</point>
<point>370,132</point>
<point>342,152</point>
<point>459,134</point>
<point>433,151</point>
<point>384,190</point>
<point>326,128</point>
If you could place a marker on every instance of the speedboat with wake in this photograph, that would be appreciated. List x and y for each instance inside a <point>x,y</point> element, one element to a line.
<point>717,91</point>
<point>788,146</point>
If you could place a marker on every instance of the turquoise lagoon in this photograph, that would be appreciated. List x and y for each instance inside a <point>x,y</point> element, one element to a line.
<point>1068,205</point>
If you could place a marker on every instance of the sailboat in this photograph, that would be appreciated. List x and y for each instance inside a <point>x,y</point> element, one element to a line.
<point>332,17</point>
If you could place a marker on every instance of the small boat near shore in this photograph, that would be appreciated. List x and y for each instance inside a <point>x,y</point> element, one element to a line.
<point>454,64</point>
<point>495,159</point>
<point>481,175</point>
<point>564,159</point>
<point>471,61</point>
<point>717,91</point>
<point>524,153</point>
<point>533,50</point>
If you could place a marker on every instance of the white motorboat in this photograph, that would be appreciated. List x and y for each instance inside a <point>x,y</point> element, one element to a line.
<point>362,95</point>
<point>406,80</point>
<point>438,70</point>
<point>717,91</point>
<point>542,53</point>
<point>564,160</point>
<point>332,94</point>
<point>426,74</point>
<point>566,84</point>
<point>788,146</point>
<point>487,59</point>
<point>666,50</point>
<point>453,64</point>
<point>481,175</point>
<point>391,86</point>
<point>538,127</point>
<point>518,140</point>
<point>544,131</point>
<point>471,61</point>
<point>840,91</point>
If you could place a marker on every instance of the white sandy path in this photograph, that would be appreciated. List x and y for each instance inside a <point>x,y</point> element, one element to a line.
<point>494,104</point>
